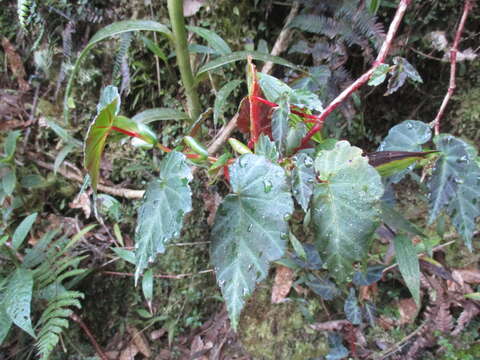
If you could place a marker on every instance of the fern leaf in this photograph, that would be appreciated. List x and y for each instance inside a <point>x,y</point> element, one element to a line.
<point>24,8</point>
<point>122,52</point>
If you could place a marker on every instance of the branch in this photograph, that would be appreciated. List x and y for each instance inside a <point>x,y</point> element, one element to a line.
<point>392,30</point>
<point>89,335</point>
<point>159,276</point>
<point>453,65</point>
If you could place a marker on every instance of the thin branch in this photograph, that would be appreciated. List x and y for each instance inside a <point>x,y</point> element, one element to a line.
<point>88,333</point>
<point>122,192</point>
<point>283,38</point>
<point>159,276</point>
<point>387,44</point>
<point>453,65</point>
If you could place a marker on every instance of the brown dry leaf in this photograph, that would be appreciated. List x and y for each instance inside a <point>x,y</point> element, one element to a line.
<point>129,353</point>
<point>470,276</point>
<point>15,64</point>
<point>282,284</point>
<point>191,7</point>
<point>334,325</point>
<point>157,334</point>
<point>112,355</point>
<point>198,349</point>
<point>408,311</point>
<point>140,341</point>
<point>368,292</point>
<point>386,323</point>
<point>82,201</point>
<point>164,355</point>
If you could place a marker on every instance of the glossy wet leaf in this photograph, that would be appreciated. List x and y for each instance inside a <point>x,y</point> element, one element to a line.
<point>451,170</point>
<point>408,264</point>
<point>108,31</point>
<point>159,114</point>
<point>242,55</point>
<point>345,207</point>
<point>379,75</point>
<point>352,309</point>
<point>303,179</point>
<point>280,127</point>
<point>266,147</point>
<point>251,228</point>
<point>160,218</point>
<point>221,99</point>
<point>409,135</point>
<point>18,298</point>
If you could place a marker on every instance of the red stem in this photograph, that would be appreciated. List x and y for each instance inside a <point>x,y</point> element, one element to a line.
<point>392,30</point>
<point>453,65</point>
<point>126,132</point>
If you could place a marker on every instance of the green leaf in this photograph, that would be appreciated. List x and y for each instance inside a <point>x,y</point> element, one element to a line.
<point>473,296</point>
<point>155,49</point>
<point>160,218</point>
<point>408,68</point>
<point>379,75</point>
<point>266,147</point>
<point>10,145</point>
<point>389,163</point>
<point>303,178</point>
<point>242,56</point>
<point>408,264</point>
<point>221,99</point>
<point>63,134</point>
<point>464,207</point>
<point>62,154</point>
<point>105,33</point>
<point>147,285</point>
<point>322,287</point>
<point>5,323</point>
<point>160,114</point>
<point>280,128</point>
<point>135,129</point>
<point>251,228</point>
<point>273,88</point>
<point>373,6</point>
<point>345,207</point>
<point>409,135</point>
<point>451,170</point>
<point>351,308</point>
<point>18,298</point>
<point>302,99</point>
<point>96,138</point>
<point>395,220</point>
<point>372,275</point>
<point>125,254</point>
<point>212,38</point>
<point>295,135</point>
<point>9,181</point>
<point>22,231</point>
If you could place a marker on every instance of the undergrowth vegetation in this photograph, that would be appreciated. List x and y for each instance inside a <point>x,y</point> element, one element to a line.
<point>297,212</point>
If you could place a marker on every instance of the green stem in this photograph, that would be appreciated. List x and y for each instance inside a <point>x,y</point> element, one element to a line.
<point>175,11</point>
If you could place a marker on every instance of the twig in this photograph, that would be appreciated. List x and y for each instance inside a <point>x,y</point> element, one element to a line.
<point>396,347</point>
<point>122,192</point>
<point>87,332</point>
<point>160,276</point>
<point>387,44</point>
<point>283,39</point>
<point>453,65</point>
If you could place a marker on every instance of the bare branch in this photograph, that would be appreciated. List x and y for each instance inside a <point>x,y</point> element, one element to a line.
<point>387,44</point>
<point>453,65</point>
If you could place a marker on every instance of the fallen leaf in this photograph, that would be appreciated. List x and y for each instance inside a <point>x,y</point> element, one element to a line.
<point>408,311</point>
<point>82,201</point>
<point>15,64</point>
<point>211,201</point>
<point>191,7</point>
<point>157,334</point>
<point>334,325</point>
<point>140,341</point>
<point>129,353</point>
<point>282,284</point>
<point>469,276</point>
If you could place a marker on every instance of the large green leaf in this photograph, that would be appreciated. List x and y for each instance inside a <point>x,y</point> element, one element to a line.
<point>18,298</point>
<point>408,264</point>
<point>159,114</point>
<point>160,218</point>
<point>22,230</point>
<point>345,208</point>
<point>451,169</point>
<point>409,135</point>
<point>243,55</point>
<point>303,178</point>
<point>105,33</point>
<point>97,137</point>
<point>251,228</point>
<point>280,127</point>
<point>5,323</point>
<point>212,38</point>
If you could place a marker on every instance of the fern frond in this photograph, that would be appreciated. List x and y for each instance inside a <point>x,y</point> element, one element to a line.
<point>122,52</point>
<point>24,8</point>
